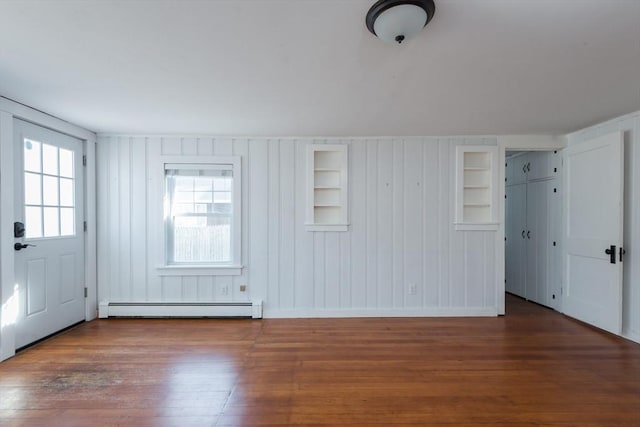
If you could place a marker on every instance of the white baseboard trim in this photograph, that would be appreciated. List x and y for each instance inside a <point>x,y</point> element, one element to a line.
<point>632,336</point>
<point>166,309</point>
<point>382,312</point>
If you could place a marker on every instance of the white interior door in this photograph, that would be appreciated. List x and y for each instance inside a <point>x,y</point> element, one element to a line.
<point>516,234</point>
<point>538,241</point>
<point>593,224</point>
<point>49,258</point>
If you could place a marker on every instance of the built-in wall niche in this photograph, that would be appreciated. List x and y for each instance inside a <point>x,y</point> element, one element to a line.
<point>476,188</point>
<point>327,187</point>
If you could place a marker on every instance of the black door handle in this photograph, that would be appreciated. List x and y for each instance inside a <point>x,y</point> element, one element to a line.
<point>622,252</point>
<point>523,234</point>
<point>529,234</point>
<point>21,246</point>
<point>612,253</point>
<point>528,167</point>
<point>524,168</point>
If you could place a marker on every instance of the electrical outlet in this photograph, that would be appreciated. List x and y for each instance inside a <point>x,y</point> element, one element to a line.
<point>224,290</point>
<point>243,288</point>
<point>412,289</point>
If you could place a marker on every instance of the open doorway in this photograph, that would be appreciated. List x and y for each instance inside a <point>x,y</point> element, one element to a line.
<point>533,223</point>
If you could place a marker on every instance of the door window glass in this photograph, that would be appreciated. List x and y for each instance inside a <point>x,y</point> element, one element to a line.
<point>49,183</point>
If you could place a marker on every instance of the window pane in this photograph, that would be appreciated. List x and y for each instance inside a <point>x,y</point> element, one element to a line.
<point>33,222</point>
<point>50,190</point>
<point>182,197</point>
<point>200,215</point>
<point>49,159</point>
<point>190,221</point>
<point>181,208</point>
<point>210,242</point>
<point>67,221</point>
<point>51,222</point>
<point>32,189</point>
<point>66,163</point>
<point>31,155</point>
<point>66,192</point>
<point>223,183</point>
<point>202,197</point>
<point>203,184</point>
<point>222,197</point>
<point>182,183</point>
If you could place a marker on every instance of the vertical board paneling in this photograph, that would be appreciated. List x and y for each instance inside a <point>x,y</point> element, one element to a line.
<point>358,215</point>
<point>474,269</point>
<point>390,292</point>
<point>155,230</point>
<point>400,234</point>
<point>444,222</point>
<point>457,243</point>
<point>138,233</point>
<point>397,201</point>
<point>430,221</point>
<point>205,147</point>
<point>113,205</point>
<point>344,244</point>
<point>273,291</point>
<point>332,270</point>
<point>413,225</point>
<point>190,288</point>
<point>102,201</point>
<point>287,228</point>
<point>189,147</point>
<point>371,203</point>
<point>319,269</point>
<point>206,291</point>
<point>258,210</point>
<point>124,193</point>
<point>304,290</point>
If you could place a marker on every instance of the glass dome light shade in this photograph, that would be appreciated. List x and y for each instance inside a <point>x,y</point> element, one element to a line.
<point>400,23</point>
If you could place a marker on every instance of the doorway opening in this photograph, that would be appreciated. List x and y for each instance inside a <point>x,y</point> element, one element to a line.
<point>533,227</point>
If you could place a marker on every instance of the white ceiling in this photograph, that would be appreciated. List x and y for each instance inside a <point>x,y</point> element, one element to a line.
<point>310,67</point>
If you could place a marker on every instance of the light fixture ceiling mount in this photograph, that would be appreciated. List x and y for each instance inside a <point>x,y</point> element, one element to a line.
<point>399,20</point>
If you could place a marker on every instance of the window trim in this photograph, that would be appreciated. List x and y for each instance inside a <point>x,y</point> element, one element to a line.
<point>232,268</point>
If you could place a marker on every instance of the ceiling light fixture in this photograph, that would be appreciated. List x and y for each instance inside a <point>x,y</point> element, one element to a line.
<point>399,20</point>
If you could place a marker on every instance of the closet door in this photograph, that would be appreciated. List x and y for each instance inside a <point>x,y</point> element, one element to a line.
<point>538,240</point>
<point>515,245</point>
<point>516,169</point>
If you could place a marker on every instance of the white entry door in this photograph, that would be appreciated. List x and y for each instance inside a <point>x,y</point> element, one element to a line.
<point>49,258</point>
<point>593,232</point>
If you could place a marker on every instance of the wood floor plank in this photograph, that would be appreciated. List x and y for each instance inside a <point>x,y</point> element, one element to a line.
<point>532,367</point>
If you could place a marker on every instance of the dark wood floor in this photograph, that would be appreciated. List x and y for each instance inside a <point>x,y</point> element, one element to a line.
<point>531,367</point>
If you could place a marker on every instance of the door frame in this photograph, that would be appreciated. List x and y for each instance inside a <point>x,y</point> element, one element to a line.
<point>10,110</point>
<point>515,143</point>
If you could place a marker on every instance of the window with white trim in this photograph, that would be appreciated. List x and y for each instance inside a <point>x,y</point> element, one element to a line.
<point>202,214</point>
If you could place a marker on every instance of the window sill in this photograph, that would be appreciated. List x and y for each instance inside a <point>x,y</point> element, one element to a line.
<point>205,270</point>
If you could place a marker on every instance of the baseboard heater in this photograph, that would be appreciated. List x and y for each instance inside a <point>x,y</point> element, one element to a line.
<point>180,309</point>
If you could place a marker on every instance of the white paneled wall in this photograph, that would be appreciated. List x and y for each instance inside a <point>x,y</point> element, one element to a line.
<point>401,232</point>
<point>630,125</point>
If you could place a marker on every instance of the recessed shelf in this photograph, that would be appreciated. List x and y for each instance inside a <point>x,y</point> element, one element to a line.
<point>475,187</point>
<point>326,187</point>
